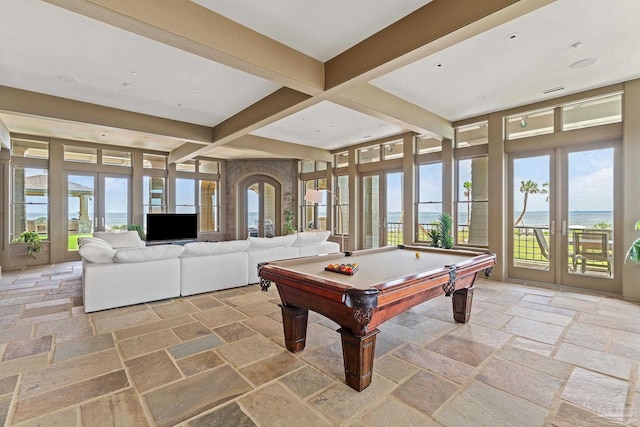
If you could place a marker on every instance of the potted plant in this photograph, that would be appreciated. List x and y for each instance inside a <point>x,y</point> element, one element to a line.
<point>440,235</point>
<point>289,226</point>
<point>32,239</point>
<point>634,250</point>
<point>138,228</point>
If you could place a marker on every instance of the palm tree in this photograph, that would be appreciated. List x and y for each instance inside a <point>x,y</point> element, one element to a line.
<point>526,188</point>
<point>467,193</point>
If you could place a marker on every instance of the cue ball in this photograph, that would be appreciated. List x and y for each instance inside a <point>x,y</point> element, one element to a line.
<point>417,254</point>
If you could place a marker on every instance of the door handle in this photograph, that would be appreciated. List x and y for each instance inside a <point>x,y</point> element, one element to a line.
<point>564,227</point>
<point>552,229</point>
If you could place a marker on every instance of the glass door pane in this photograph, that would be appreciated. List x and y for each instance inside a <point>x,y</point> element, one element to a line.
<point>80,208</point>
<point>531,238</point>
<point>590,206</point>
<point>269,207</point>
<point>116,203</point>
<point>253,200</point>
<point>394,208</point>
<point>371,211</point>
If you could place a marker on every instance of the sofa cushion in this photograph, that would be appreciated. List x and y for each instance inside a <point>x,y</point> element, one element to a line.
<point>96,253</point>
<point>151,253</point>
<point>311,238</point>
<point>93,241</point>
<point>214,248</point>
<point>271,242</point>
<point>124,239</point>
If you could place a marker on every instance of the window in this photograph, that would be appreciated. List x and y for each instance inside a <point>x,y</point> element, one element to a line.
<point>208,166</point>
<point>369,154</point>
<point>154,161</point>
<point>592,112</point>
<point>393,150</point>
<point>209,206</point>
<point>529,124</point>
<point>428,145</point>
<point>472,199</point>
<point>116,158</point>
<point>342,226</point>
<point>185,196</point>
<point>314,215</point>
<point>30,201</point>
<point>472,135</point>
<point>29,149</point>
<point>154,196</point>
<point>341,160</point>
<point>307,166</point>
<point>429,198</point>
<point>188,166</point>
<point>80,154</point>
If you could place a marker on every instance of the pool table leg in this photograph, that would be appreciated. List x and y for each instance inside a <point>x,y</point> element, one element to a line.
<point>358,353</point>
<point>294,321</point>
<point>462,299</point>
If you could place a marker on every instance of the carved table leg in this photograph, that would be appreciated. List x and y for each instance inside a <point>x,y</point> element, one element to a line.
<point>358,353</point>
<point>294,321</point>
<point>462,299</point>
<point>264,284</point>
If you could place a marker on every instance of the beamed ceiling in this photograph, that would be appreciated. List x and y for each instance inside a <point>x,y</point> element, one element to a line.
<point>295,78</point>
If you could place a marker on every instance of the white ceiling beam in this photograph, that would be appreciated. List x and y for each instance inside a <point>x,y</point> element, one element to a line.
<point>294,151</point>
<point>436,26</point>
<point>41,105</point>
<point>188,26</point>
<point>371,100</point>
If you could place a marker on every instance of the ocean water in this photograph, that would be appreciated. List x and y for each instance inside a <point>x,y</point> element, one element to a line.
<point>534,218</point>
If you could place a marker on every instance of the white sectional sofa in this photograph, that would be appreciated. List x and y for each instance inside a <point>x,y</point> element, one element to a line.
<point>127,275</point>
<point>211,266</point>
<point>119,270</point>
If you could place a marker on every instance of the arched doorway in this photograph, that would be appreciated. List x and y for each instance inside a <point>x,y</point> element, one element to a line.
<point>259,207</point>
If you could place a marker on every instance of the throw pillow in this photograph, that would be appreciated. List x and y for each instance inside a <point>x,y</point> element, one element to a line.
<point>311,237</point>
<point>151,253</point>
<point>96,253</point>
<point>124,239</point>
<point>214,248</point>
<point>271,242</point>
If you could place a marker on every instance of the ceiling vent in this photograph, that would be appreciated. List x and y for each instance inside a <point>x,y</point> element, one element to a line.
<point>555,89</point>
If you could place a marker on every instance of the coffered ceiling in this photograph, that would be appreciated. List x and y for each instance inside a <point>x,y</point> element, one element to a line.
<point>295,78</point>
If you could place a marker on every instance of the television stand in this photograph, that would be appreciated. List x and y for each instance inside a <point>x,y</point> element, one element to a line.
<point>170,242</point>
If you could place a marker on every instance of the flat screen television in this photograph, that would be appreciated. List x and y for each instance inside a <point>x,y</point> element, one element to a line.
<point>172,227</point>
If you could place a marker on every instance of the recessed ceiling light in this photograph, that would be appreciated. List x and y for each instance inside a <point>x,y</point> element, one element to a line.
<point>132,72</point>
<point>195,89</point>
<point>68,79</point>
<point>576,45</point>
<point>512,36</point>
<point>438,65</point>
<point>584,63</point>
<point>366,136</point>
<point>179,105</point>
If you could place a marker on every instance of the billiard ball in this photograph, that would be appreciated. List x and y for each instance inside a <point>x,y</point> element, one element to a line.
<point>417,254</point>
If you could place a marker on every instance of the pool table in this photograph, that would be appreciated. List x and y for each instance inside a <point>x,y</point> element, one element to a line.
<point>388,281</point>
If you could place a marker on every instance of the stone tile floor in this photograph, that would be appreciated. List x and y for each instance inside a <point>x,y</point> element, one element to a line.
<point>529,357</point>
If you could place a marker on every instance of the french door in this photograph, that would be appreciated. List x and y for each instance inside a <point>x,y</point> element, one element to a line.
<point>382,209</point>
<point>261,209</point>
<point>96,202</point>
<point>565,216</point>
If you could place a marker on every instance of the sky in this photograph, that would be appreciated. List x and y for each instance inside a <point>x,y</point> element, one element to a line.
<point>590,177</point>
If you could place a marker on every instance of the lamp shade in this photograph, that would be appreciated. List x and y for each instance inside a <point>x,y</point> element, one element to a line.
<point>314,196</point>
